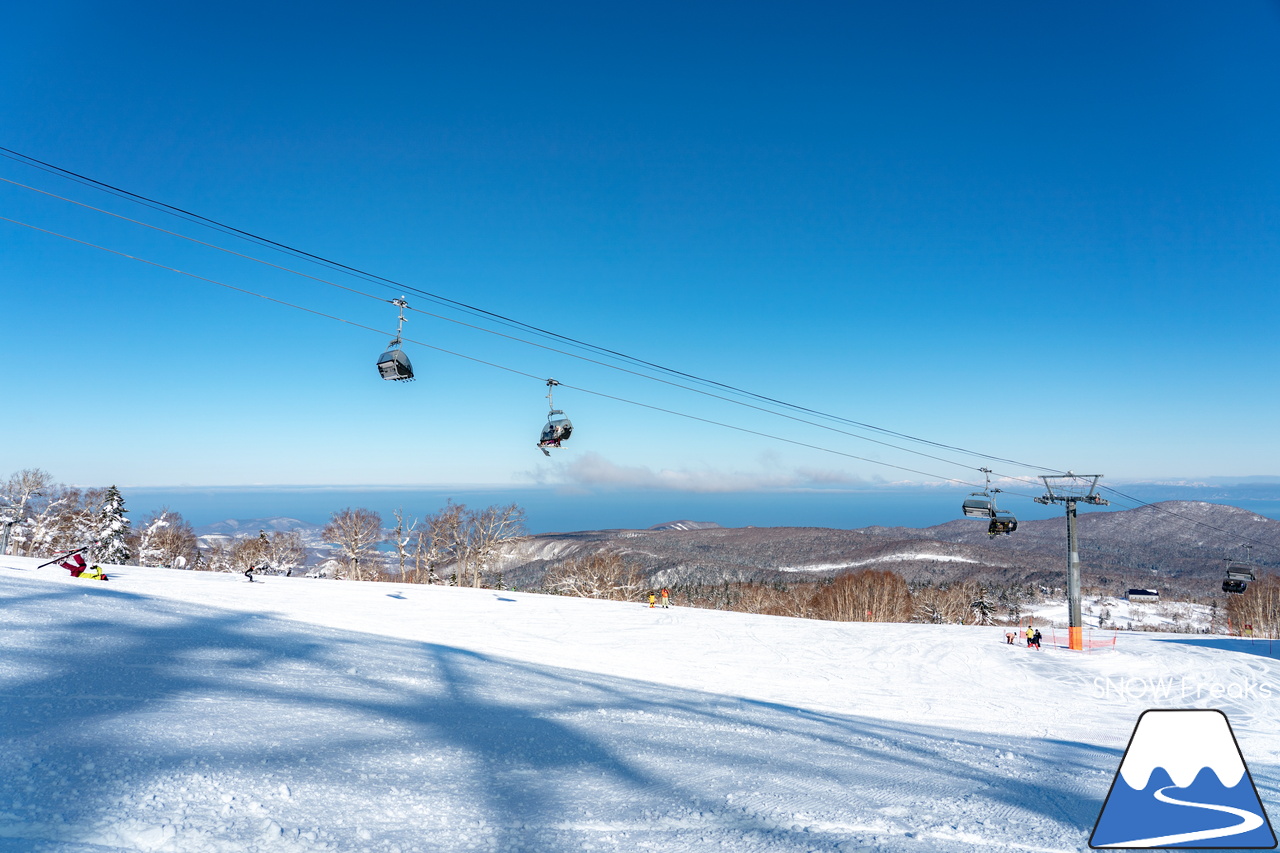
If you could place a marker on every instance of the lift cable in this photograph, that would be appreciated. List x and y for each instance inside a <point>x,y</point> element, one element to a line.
<point>1140,504</point>
<point>382,332</point>
<point>497,333</point>
<point>212,223</point>
<point>386,282</point>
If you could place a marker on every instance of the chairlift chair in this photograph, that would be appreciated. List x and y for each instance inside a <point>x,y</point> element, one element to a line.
<point>978,507</point>
<point>558,427</point>
<point>1240,572</point>
<point>394,364</point>
<point>1002,522</point>
<point>1239,575</point>
<point>983,505</point>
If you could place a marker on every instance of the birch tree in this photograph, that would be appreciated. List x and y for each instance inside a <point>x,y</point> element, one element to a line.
<point>355,534</point>
<point>401,536</point>
<point>21,492</point>
<point>166,539</point>
<point>487,530</point>
<point>285,551</point>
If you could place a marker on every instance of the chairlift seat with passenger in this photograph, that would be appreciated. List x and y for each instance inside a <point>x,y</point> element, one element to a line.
<point>557,429</point>
<point>1002,522</point>
<point>1235,587</point>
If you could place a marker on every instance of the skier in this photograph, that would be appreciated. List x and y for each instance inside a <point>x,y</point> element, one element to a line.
<point>95,573</point>
<point>665,596</point>
<point>652,599</point>
<point>1036,639</point>
<point>1031,635</point>
<point>76,565</point>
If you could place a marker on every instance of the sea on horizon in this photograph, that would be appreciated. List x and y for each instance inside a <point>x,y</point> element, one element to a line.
<point>549,510</point>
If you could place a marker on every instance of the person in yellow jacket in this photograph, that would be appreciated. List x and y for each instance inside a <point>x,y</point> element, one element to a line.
<point>95,573</point>
<point>652,599</point>
<point>1031,635</point>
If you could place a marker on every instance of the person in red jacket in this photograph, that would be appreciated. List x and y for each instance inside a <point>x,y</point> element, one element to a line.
<point>76,565</point>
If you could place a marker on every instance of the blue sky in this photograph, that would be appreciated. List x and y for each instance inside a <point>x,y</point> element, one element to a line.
<point>1044,233</point>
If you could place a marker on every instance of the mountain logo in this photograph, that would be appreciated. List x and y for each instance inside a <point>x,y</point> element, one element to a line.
<point>1183,783</point>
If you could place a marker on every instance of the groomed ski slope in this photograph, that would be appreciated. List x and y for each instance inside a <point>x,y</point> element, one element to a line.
<point>181,711</point>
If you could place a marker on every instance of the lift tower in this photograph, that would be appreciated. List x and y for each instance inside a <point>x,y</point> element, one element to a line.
<point>1071,488</point>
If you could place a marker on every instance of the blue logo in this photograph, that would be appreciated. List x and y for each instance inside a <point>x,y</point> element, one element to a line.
<point>1183,783</point>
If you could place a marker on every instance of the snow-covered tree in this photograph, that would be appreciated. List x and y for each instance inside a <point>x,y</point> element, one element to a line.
<point>166,539</point>
<point>486,530</point>
<point>982,607</point>
<point>402,535</point>
<point>437,543</point>
<point>355,533</point>
<point>111,530</point>
<point>285,551</point>
<point>18,502</point>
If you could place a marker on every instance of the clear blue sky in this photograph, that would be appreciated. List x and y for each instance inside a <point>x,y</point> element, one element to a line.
<point>1045,232</point>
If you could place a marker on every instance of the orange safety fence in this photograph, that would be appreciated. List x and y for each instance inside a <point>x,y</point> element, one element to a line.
<point>1090,639</point>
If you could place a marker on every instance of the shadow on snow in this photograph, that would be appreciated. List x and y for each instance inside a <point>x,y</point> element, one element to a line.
<point>121,703</point>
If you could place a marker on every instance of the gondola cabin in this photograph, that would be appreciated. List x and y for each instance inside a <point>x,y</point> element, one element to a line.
<point>394,365</point>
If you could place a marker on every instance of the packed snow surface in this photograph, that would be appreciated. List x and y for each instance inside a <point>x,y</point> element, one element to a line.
<point>181,711</point>
<point>887,558</point>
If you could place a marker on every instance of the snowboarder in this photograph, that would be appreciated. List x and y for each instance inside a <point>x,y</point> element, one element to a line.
<point>249,574</point>
<point>665,597</point>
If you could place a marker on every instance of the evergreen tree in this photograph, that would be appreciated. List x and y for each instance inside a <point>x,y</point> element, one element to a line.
<point>111,530</point>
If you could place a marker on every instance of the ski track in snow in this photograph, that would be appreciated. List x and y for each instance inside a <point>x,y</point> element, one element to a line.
<point>181,711</point>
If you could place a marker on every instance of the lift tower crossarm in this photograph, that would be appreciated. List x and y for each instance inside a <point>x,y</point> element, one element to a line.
<point>1070,489</point>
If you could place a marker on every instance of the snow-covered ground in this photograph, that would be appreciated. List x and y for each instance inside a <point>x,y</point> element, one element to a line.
<point>180,711</point>
<point>1109,612</point>
<point>887,558</point>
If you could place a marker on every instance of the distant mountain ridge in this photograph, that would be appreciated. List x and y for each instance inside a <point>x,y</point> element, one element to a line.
<point>237,527</point>
<point>1177,546</point>
<point>686,525</point>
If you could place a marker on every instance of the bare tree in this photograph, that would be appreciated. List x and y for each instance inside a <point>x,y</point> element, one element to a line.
<point>215,558</point>
<point>864,596</point>
<point>436,543</point>
<point>356,534</point>
<point>773,599</point>
<point>66,520</point>
<point>165,538</point>
<point>285,551</point>
<point>600,575</point>
<point>487,530</point>
<point>20,492</point>
<point>401,537</point>
<point>250,553</point>
<point>1257,611</point>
